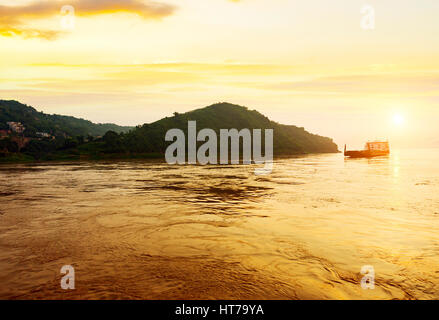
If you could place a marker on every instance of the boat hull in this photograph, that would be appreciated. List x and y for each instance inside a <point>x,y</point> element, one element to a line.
<point>366,153</point>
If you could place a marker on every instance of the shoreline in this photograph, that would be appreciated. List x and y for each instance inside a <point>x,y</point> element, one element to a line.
<point>25,159</point>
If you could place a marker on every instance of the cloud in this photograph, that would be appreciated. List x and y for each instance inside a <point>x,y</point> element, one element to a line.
<point>419,84</point>
<point>27,33</point>
<point>14,20</point>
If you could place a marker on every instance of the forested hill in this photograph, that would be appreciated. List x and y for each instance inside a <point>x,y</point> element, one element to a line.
<point>288,139</point>
<point>143,141</point>
<point>56,125</point>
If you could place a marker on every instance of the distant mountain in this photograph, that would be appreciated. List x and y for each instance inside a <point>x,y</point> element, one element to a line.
<point>288,139</point>
<point>56,125</point>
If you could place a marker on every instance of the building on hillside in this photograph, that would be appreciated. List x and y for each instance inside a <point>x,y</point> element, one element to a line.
<point>21,141</point>
<point>4,133</point>
<point>16,127</point>
<point>44,134</point>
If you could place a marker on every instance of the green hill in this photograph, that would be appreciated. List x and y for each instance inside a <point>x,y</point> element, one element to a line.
<point>288,139</point>
<point>56,125</point>
<point>144,141</point>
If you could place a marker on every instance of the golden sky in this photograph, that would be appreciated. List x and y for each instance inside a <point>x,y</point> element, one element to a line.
<point>308,63</point>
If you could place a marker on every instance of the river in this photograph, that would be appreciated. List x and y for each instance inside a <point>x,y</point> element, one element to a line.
<point>149,230</point>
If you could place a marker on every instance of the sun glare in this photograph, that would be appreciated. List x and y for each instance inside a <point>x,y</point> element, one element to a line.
<point>398,119</point>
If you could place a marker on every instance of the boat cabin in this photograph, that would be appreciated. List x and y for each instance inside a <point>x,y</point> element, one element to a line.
<point>377,146</point>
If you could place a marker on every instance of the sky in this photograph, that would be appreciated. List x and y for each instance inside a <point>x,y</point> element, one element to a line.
<point>308,63</point>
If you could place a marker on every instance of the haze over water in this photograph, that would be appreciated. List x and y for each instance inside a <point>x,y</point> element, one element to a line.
<point>148,230</point>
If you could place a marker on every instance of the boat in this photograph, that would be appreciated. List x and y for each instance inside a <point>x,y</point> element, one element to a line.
<point>371,149</point>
